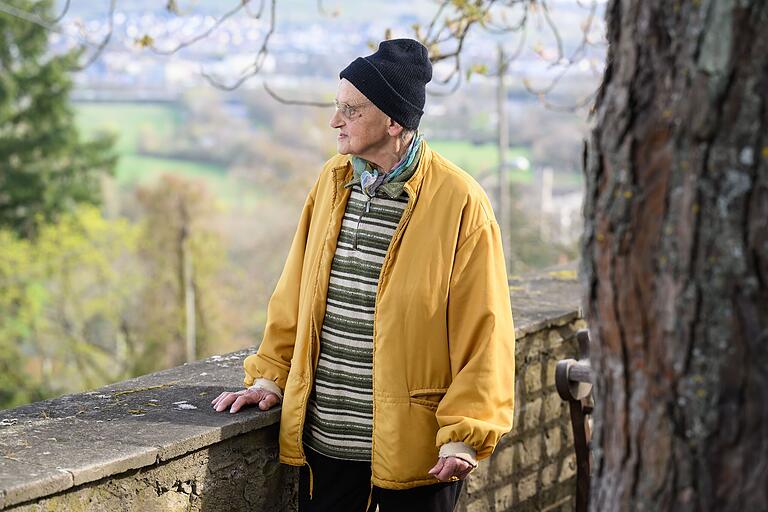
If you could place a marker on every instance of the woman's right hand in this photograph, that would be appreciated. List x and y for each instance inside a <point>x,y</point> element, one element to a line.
<point>239,399</point>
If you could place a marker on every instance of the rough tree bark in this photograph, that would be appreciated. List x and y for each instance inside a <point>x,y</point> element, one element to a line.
<point>675,257</point>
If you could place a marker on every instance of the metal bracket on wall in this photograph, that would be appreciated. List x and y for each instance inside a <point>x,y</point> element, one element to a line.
<point>573,380</point>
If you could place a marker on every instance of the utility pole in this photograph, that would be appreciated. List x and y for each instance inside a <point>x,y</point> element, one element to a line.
<point>503,142</point>
<point>188,288</point>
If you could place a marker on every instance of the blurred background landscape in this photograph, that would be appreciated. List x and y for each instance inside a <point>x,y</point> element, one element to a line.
<point>146,210</point>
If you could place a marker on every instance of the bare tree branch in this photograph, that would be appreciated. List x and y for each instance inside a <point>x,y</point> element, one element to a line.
<point>491,16</point>
<point>437,15</point>
<point>457,30</point>
<point>450,91</point>
<point>204,34</point>
<point>514,55</point>
<point>258,62</point>
<point>104,42</point>
<point>586,101</point>
<point>257,14</point>
<point>52,26</point>
<point>37,20</point>
<point>64,12</point>
<point>452,29</point>
<point>285,101</point>
<point>504,28</point>
<point>28,16</point>
<point>555,31</point>
<point>566,66</point>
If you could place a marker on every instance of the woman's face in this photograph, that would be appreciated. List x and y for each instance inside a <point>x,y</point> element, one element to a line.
<point>363,128</point>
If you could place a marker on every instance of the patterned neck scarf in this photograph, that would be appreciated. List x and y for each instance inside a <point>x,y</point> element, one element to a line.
<point>391,183</point>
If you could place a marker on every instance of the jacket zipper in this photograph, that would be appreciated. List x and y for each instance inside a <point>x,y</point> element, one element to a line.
<point>359,218</point>
<point>403,221</point>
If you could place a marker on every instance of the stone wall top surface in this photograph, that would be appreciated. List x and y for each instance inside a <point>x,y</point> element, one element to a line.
<point>50,446</point>
<point>545,299</point>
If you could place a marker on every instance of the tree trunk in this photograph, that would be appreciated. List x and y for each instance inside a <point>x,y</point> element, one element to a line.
<point>675,258</point>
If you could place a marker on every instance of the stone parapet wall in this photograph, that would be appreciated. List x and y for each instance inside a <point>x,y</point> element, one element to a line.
<point>154,442</point>
<point>534,466</point>
<point>241,473</point>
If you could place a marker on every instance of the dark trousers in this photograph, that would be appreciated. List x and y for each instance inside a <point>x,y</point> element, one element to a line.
<point>344,486</point>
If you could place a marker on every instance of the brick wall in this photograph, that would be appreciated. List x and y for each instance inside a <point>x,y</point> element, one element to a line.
<point>534,466</point>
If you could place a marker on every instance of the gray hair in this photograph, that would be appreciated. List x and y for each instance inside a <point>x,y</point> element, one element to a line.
<point>406,134</point>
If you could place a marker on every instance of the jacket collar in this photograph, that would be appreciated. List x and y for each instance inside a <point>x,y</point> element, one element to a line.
<point>343,173</point>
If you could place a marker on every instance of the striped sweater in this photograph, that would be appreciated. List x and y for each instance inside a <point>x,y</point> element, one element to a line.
<point>340,412</point>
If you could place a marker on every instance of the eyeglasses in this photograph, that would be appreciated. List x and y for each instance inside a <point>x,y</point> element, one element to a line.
<point>349,112</point>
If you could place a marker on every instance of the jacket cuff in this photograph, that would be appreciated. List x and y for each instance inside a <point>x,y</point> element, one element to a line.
<point>460,450</point>
<point>268,385</point>
<point>258,366</point>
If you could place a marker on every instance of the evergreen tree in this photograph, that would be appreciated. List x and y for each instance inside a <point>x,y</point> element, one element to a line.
<point>45,167</point>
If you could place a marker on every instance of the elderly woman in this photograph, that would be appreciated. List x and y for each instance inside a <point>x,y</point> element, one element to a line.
<point>389,337</point>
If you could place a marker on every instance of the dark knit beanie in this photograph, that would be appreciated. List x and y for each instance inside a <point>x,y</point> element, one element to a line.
<point>394,79</point>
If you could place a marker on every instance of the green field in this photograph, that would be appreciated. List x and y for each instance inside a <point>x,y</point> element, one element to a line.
<point>481,159</point>
<point>127,120</point>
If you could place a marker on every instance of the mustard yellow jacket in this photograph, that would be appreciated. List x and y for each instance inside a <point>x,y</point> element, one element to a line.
<point>444,341</point>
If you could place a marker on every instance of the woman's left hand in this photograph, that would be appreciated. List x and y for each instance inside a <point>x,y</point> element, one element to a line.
<point>450,469</point>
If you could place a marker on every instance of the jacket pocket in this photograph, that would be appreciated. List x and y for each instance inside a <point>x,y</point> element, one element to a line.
<point>429,398</point>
